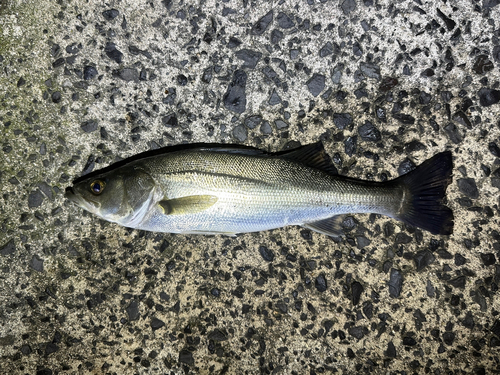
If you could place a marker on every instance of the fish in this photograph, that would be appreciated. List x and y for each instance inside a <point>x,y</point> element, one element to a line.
<point>228,190</point>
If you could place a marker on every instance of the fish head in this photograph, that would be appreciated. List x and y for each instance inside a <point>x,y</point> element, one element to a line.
<point>120,196</point>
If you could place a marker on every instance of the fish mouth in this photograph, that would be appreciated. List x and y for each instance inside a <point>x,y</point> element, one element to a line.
<point>80,201</point>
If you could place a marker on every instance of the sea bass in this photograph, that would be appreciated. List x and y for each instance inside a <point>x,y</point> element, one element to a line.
<point>226,190</point>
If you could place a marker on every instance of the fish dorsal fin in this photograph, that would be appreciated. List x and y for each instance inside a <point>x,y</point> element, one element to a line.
<point>235,150</point>
<point>331,226</point>
<point>313,156</point>
<point>187,205</point>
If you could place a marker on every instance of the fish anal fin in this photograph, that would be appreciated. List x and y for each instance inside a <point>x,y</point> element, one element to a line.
<point>331,226</point>
<point>313,156</point>
<point>187,205</point>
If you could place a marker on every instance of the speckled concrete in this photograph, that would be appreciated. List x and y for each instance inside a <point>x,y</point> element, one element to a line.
<point>385,85</point>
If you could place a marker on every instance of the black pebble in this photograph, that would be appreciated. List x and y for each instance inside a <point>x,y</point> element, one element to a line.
<point>217,335</point>
<point>357,290</point>
<point>89,72</point>
<point>350,145</point>
<point>316,84</point>
<point>357,332</point>
<point>482,65</point>
<point>133,311</point>
<point>488,97</point>
<point>233,42</point>
<point>185,356</point>
<point>182,80</point>
<point>395,283</point>
<point>89,126</point>
<point>406,166</point>
<point>21,82</point>
<point>369,132</point>
<point>320,283</point>
<point>235,97</point>
<point>391,350</point>
<point>448,338</point>
<point>110,14</point>
<point>453,133</point>
<point>326,50</point>
<point>409,341</point>
<point>494,149</point>
<point>156,324</point>
<point>261,25</point>
<point>468,187</point>
<point>113,53</point>
<point>266,254</point>
<point>56,97</point>
<point>488,259</point>
<point>342,120</point>
<point>423,258</point>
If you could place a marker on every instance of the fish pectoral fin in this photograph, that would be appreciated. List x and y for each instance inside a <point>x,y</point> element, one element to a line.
<point>331,226</point>
<point>187,205</point>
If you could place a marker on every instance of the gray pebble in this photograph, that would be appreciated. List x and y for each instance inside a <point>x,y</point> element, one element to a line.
<point>370,70</point>
<point>265,128</point>
<point>253,121</point>
<point>284,21</point>
<point>280,124</point>
<point>240,133</point>
<point>274,99</point>
<point>316,84</point>
<point>133,310</point>
<point>235,97</point>
<point>8,248</point>
<point>468,187</point>
<point>261,25</point>
<point>250,57</point>
<point>36,263</point>
<point>35,199</point>
<point>89,126</point>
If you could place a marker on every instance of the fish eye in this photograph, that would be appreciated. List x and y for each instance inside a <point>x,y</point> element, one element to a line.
<point>97,186</point>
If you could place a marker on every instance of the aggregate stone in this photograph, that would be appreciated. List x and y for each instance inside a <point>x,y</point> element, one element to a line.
<point>320,283</point>
<point>89,72</point>
<point>235,96</point>
<point>342,120</point>
<point>253,121</point>
<point>240,133</point>
<point>316,84</point>
<point>8,248</point>
<point>113,53</point>
<point>488,97</point>
<point>395,283</point>
<point>369,133</point>
<point>284,21</point>
<point>262,24</point>
<point>37,263</point>
<point>370,70</point>
<point>249,57</point>
<point>35,199</point>
<point>468,187</point>
<point>89,126</point>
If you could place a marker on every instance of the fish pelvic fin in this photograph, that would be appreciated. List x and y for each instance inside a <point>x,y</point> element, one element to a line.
<point>425,189</point>
<point>331,226</point>
<point>187,205</point>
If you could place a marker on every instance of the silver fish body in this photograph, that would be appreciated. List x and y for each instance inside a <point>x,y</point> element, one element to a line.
<point>228,191</point>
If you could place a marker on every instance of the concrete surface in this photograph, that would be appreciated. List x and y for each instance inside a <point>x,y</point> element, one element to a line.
<point>385,85</point>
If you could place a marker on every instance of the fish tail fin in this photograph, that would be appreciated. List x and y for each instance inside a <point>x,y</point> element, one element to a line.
<point>426,187</point>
